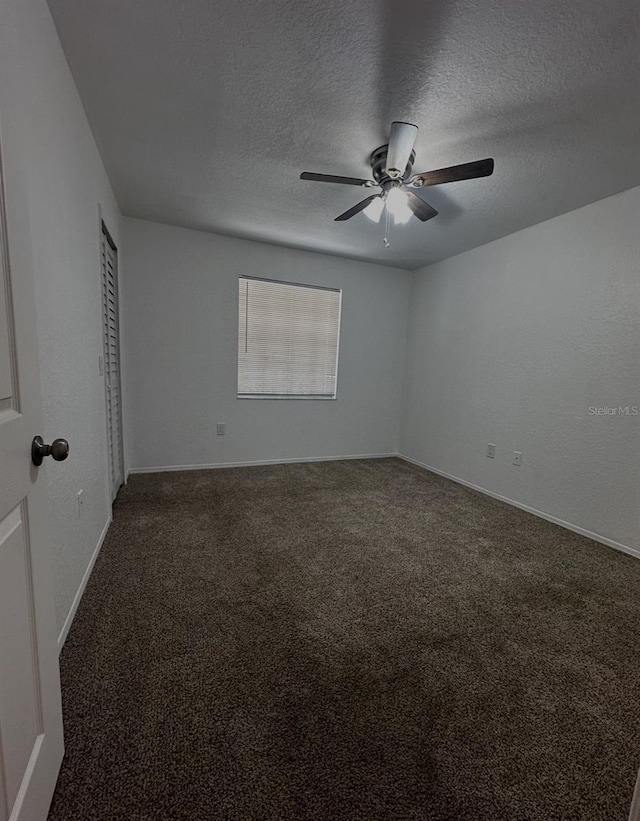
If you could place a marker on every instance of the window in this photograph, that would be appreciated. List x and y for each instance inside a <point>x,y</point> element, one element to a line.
<point>287,340</point>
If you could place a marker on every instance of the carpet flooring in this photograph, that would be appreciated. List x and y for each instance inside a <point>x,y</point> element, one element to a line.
<point>347,640</point>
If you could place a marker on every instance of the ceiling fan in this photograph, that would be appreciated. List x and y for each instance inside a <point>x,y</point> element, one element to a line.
<point>391,167</point>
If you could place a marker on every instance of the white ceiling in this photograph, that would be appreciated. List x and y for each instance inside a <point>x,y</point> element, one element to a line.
<point>206,111</point>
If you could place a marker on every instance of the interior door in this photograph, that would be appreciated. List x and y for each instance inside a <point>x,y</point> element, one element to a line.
<point>634,812</point>
<point>111,336</point>
<point>31,744</point>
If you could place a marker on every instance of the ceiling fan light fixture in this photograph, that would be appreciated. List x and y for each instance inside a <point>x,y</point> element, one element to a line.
<point>404,218</point>
<point>398,206</point>
<point>374,209</point>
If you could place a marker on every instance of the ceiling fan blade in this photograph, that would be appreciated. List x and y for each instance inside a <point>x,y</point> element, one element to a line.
<point>421,209</point>
<point>455,173</point>
<point>401,141</point>
<point>308,175</point>
<point>356,209</point>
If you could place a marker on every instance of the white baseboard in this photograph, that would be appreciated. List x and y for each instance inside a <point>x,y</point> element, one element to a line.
<point>76,600</point>
<point>632,551</point>
<point>297,460</point>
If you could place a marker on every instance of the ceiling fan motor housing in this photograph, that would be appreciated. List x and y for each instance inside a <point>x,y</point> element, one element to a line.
<point>378,162</point>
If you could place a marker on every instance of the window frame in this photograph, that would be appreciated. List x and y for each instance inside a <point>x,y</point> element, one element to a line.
<point>280,396</point>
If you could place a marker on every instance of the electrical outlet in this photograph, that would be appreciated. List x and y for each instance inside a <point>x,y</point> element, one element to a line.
<point>80,498</point>
<point>517,458</point>
<point>491,451</point>
<point>221,429</point>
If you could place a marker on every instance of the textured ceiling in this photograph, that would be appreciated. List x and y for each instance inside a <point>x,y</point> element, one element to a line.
<point>206,111</point>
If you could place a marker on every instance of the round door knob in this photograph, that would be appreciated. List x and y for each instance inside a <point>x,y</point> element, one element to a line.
<point>58,449</point>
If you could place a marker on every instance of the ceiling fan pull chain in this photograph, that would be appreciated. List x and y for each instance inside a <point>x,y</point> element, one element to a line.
<point>387,229</point>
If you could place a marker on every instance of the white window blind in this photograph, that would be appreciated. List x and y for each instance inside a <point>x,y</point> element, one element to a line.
<point>287,340</point>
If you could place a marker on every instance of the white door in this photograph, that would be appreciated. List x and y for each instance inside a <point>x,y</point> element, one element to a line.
<point>634,813</point>
<point>31,744</point>
<point>111,336</point>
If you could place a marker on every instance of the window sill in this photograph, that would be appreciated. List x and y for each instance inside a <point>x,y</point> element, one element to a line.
<point>285,397</point>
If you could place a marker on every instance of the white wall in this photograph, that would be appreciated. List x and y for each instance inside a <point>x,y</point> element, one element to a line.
<point>512,343</point>
<point>47,140</point>
<point>180,294</point>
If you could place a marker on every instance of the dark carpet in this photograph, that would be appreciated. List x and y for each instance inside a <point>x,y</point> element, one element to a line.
<point>349,640</point>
